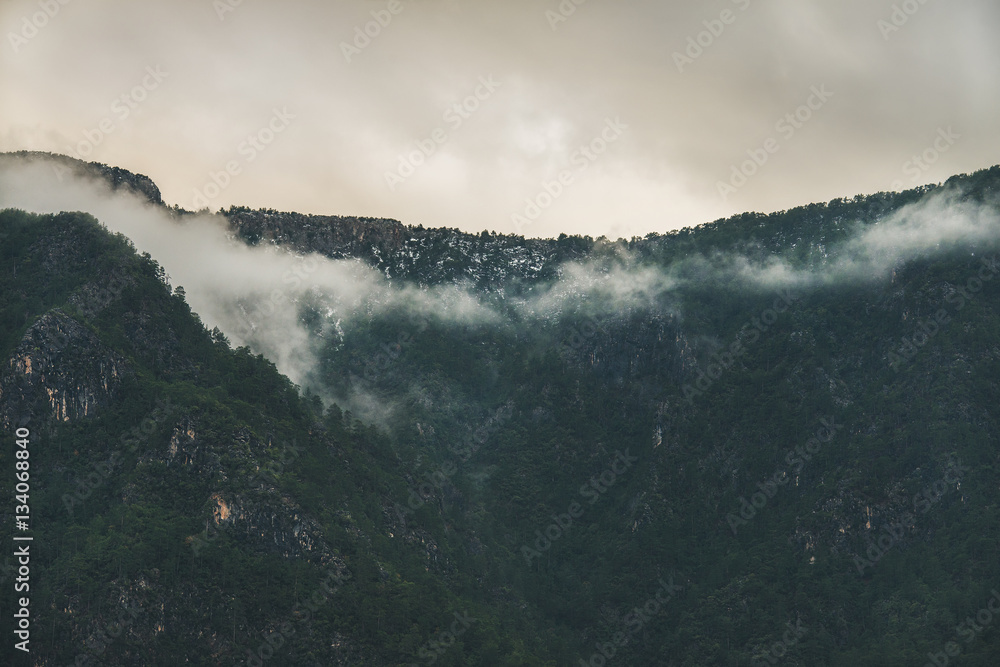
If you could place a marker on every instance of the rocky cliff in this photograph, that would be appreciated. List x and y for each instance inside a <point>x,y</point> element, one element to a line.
<point>60,371</point>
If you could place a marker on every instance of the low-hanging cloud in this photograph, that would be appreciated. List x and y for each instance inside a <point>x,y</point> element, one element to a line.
<point>356,116</point>
<point>253,294</point>
<point>600,290</point>
<point>257,295</point>
<point>938,223</point>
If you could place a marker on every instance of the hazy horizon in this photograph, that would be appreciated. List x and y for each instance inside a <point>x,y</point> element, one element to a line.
<point>570,116</point>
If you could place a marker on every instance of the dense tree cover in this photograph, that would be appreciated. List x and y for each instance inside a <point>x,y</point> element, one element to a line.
<point>115,519</point>
<point>548,475</point>
<point>839,355</point>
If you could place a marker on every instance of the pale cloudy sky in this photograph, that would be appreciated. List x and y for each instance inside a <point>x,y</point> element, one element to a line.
<point>341,121</point>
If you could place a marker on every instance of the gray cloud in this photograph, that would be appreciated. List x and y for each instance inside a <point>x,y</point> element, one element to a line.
<point>353,120</point>
<point>253,294</point>
<point>256,295</point>
<point>938,223</point>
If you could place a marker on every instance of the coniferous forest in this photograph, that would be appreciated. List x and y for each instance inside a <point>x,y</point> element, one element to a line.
<point>770,439</point>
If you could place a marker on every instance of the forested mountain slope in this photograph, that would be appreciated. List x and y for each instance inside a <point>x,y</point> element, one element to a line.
<point>769,438</point>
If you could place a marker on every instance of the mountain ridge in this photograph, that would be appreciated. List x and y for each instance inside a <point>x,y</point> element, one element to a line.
<point>786,468</point>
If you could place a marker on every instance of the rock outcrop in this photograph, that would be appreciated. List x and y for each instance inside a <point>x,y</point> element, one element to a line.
<point>61,371</point>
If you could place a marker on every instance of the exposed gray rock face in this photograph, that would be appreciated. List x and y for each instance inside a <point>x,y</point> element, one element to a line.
<point>61,371</point>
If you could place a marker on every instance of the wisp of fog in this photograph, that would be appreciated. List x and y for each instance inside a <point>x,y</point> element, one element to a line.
<point>255,294</point>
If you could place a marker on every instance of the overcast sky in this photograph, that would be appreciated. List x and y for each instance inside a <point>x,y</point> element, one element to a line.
<point>310,114</point>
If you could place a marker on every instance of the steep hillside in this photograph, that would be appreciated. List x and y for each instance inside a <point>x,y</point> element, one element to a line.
<point>818,449</point>
<point>769,439</point>
<point>188,505</point>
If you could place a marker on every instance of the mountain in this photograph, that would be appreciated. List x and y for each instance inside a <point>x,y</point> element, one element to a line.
<point>766,439</point>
